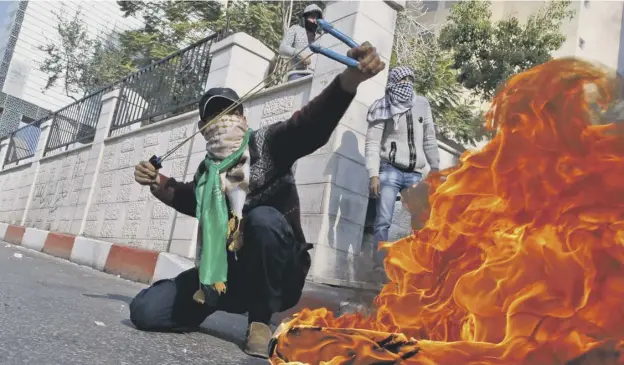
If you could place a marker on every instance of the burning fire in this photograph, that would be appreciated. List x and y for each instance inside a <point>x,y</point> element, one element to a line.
<point>521,259</point>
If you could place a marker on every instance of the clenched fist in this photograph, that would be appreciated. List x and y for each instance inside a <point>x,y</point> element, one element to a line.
<point>146,174</point>
<point>370,64</point>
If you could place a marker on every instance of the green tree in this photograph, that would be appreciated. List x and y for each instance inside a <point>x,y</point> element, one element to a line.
<point>168,26</point>
<point>486,54</point>
<point>172,24</point>
<point>79,63</point>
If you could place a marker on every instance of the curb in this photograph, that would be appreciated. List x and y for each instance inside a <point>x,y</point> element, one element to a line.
<point>145,266</point>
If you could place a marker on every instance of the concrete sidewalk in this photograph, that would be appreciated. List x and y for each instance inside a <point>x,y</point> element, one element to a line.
<point>147,266</point>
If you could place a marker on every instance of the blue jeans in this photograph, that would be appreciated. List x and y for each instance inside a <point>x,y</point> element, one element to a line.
<point>297,76</point>
<point>391,181</point>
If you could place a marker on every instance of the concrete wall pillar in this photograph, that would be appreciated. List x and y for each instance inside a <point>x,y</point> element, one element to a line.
<point>39,153</point>
<point>334,178</point>
<point>4,149</point>
<point>107,113</point>
<point>239,62</point>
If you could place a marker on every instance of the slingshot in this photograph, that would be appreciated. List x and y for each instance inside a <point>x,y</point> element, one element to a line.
<point>323,26</point>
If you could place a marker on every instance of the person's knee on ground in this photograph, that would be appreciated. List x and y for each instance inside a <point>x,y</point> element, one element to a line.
<point>168,305</point>
<point>146,310</point>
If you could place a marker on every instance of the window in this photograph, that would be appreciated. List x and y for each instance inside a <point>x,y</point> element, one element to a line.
<point>448,4</point>
<point>430,6</point>
<point>26,139</point>
<point>25,121</point>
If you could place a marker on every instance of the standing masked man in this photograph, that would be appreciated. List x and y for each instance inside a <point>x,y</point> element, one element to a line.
<point>400,140</point>
<point>266,275</point>
<point>297,39</point>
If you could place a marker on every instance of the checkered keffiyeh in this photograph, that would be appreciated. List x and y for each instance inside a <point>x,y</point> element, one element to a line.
<point>399,97</point>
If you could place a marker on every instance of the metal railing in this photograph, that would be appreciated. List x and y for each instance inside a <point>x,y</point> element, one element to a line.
<point>166,88</point>
<point>161,90</point>
<point>23,142</point>
<point>77,122</point>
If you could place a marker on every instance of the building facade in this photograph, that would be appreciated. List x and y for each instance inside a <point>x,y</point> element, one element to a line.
<point>28,26</point>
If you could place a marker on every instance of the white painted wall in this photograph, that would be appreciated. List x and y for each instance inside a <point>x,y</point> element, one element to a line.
<point>14,189</point>
<point>90,191</point>
<point>24,80</point>
<point>600,28</point>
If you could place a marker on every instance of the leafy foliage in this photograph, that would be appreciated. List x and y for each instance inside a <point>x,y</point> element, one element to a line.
<point>79,63</point>
<point>486,54</point>
<point>65,61</point>
<point>453,111</point>
<point>172,24</point>
<point>470,56</point>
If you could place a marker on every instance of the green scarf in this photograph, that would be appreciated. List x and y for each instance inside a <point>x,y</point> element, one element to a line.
<point>213,219</point>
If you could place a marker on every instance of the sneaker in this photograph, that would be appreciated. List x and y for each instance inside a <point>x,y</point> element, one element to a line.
<point>258,338</point>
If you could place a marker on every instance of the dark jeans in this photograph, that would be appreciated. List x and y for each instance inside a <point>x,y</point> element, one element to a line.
<point>297,76</point>
<point>267,277</point>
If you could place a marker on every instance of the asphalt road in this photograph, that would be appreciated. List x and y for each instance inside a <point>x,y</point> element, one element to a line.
<point>55,312</point>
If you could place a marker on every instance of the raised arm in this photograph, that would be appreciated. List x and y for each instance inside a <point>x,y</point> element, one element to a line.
<point>178,195</point>
<point>310,128</point>
<point>374,133</point>
<point>430,143</point>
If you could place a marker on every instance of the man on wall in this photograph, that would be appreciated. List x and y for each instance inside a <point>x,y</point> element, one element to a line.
<point>268,273</point>
<point>400,140</point>
<point>299,37</point>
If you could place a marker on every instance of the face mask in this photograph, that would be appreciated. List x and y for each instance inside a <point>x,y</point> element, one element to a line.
<point>225,135</point>
<point>401,92</point>
<point>310,26</point>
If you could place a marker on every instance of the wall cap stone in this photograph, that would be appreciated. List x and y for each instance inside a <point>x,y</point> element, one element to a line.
<point>246,42</point>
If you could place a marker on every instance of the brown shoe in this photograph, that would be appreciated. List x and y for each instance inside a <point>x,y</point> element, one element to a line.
<point>258,337</point>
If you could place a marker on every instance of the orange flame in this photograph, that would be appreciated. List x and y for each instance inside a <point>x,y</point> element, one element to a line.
<point>521,258</point>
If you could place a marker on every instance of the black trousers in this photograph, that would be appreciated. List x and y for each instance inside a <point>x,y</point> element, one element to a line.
<point>266,277</point>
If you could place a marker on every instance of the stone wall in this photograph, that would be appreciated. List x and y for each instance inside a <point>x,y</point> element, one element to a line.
<point>125,212</point>
<point>60,192</point>
<point>14,191</point>
<point>90,190</point>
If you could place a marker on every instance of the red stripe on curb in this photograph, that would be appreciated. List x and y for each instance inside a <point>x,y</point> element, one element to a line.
<point>59,245</point>
<point>131,263</point>
<point>14,234</point>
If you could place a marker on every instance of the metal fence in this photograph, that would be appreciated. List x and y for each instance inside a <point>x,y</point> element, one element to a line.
<point>165,88</point>
<point>161,90</point>
<point>76,123</point>
<point>23,142</point>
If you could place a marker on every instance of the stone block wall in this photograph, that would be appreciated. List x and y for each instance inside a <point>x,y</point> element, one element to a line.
<point>90,190</point>
<point>125,212</point>
<point>14,190</point>
<point>60,192</point>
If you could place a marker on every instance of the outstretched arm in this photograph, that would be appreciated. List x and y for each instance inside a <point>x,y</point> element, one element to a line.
<point>178,195</point>
<point>310,128</point>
